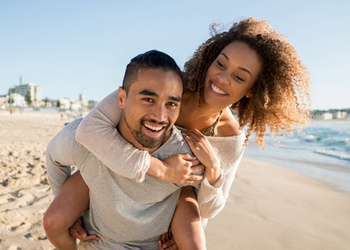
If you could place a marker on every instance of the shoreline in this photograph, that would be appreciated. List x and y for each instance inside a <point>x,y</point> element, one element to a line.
<point>337,177</point>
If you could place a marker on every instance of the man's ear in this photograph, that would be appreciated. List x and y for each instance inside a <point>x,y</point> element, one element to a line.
<point>121,97</point>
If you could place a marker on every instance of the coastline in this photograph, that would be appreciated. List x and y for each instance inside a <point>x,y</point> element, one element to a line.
<point>269,207</point>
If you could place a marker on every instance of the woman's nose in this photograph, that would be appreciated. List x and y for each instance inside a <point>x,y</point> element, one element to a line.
<point>224,78</point>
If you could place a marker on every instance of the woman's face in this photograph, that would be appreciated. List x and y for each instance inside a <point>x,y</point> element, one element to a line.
<point>232,75</point>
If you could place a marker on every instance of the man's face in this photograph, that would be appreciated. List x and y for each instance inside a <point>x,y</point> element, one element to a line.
<point>151,108</point>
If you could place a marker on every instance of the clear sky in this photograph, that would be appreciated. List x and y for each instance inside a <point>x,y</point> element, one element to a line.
<point>72,47</point>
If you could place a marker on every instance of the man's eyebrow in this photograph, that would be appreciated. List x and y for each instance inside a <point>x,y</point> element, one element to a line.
<point>152,93</point>
<point>175,98</point>
<point>148,92</point>
<point>228,59</point>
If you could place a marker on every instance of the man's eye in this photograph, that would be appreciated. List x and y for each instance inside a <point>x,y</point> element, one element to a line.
<point>148,99</point>
<point>172,104</point>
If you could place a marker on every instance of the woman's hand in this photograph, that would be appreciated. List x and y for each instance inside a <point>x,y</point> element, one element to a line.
<point>204,152</point>
<point>181,169</point>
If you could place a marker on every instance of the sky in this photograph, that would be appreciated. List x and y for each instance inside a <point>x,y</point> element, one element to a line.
<point>73,47</point>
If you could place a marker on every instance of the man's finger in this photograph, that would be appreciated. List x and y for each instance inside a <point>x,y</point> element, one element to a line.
<point>188,157</point>
<point>163,237</point>
<point>92,238</point>
<point>160,247</point>
<point>169,243</point>
<point>195,162</point>
<point>74,233</point>
<point>197,169</point>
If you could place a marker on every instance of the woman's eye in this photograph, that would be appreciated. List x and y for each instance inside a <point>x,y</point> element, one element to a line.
<point>240,79</point>
<point>219,64</point>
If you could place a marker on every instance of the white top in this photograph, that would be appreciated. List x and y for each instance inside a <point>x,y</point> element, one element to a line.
<point>97,132</point>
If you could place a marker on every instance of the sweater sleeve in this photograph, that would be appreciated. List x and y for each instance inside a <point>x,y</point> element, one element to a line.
<point>212,199</point>
<point>97,132</point>
<point>60,157</point>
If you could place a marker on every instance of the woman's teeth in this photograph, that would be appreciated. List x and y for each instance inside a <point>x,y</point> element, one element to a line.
<point>217,90</point>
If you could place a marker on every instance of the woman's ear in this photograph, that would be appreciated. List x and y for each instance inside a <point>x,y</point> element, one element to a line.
<point>249,94</point>
<point>121,97</point>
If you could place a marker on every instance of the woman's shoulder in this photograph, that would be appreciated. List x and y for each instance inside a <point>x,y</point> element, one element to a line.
<point>228,124</point>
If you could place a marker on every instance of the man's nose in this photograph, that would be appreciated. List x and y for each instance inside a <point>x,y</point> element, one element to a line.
<point>159,113</point>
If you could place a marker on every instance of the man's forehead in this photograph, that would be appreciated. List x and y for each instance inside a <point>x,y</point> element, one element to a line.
<point>157,82</point>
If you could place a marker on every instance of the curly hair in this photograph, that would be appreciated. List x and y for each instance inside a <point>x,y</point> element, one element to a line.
<point>280,99</point>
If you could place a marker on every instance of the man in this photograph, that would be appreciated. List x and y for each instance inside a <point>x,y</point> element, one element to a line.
<point>123,213</point>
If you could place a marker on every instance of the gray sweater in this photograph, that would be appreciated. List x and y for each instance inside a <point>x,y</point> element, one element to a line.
<point>124,213</point>
<point>98,134</point>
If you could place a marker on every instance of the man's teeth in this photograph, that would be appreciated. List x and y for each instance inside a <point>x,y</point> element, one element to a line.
<point>154,128</point>
<point>217,90</point>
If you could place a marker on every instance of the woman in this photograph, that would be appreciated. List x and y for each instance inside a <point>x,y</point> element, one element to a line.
<point>250,68</point>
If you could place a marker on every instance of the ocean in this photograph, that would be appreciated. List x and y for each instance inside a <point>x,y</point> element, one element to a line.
<point>320,151</point>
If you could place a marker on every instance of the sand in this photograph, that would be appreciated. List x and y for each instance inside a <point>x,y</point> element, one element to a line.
<point>24,190</point>
<point>269,207</point>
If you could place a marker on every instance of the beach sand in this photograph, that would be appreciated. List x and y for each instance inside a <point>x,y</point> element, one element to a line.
<point>269,207</point>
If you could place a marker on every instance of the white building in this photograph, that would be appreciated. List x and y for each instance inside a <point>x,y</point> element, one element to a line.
<point>23,89</point>
<point>64,103</point>
<point>84,102</point>
<point>339,115</point>
<point>324,116</point>
<point>16,100</point>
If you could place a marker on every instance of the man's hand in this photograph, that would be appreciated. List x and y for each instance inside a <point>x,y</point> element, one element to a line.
<point>182,169</point>
<point>78,231</point>
<point>167,242</point>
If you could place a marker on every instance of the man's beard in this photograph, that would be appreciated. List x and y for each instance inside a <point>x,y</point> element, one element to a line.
<point>146,141</point>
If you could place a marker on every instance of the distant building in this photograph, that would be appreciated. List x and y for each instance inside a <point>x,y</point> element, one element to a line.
<point>324,116</point>
<point>339,115</point>
<point>64,103</point>
<point>16,100</point>
<point>83,101</point>
<point>24,89</point>
<point>3,101</point>
<point>92,104</point>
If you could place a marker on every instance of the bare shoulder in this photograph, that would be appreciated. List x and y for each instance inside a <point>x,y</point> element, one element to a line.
<point>228,124</point>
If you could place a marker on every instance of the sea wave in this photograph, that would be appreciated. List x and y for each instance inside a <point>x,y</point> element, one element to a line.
<point>334,153</point>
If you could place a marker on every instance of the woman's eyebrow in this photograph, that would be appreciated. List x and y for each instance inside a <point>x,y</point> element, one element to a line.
<point>241,68</point>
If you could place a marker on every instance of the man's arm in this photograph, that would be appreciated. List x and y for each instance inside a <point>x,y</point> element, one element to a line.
<point>60,156</point>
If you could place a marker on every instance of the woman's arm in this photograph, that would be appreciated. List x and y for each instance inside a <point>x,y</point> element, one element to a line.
<point>219,177</point>
<point>97,132</point>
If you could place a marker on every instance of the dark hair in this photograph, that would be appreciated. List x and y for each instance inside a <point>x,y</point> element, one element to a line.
<point>152,59</point>
<point>281,92</point>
